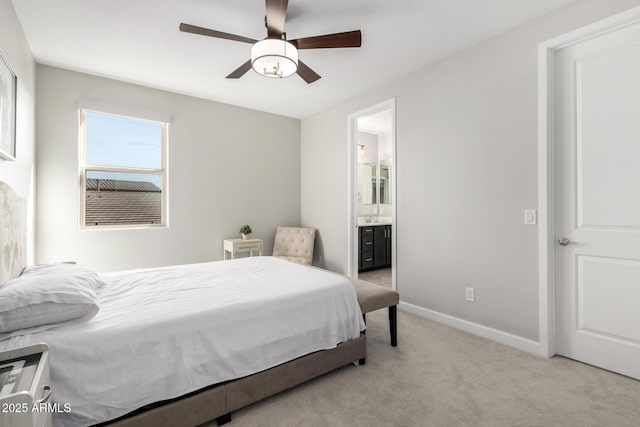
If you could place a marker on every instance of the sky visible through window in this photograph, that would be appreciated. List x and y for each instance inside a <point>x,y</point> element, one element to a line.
<point>123,141</point>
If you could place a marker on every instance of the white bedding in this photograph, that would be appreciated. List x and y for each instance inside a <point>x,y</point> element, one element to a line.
<point>161,333</point>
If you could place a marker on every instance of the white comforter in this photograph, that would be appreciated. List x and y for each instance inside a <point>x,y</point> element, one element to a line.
<point>161,333</point>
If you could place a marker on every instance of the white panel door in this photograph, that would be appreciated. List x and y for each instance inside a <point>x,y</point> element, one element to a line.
<point>597,200</point>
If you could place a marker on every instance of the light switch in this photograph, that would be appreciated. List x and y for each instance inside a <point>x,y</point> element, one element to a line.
<point>470,294</point>
<point>530,217</point>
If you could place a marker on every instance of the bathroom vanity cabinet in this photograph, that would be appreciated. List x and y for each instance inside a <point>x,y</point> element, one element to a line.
<point>374,243</point>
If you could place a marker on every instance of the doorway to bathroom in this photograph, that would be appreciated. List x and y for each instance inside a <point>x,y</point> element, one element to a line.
<point>372,190</point>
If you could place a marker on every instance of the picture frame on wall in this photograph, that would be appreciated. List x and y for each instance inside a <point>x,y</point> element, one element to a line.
<point>8,91</point>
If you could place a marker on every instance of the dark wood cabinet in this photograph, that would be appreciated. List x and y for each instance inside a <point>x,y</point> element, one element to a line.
<point>365,248</point>
<point>374,247</point>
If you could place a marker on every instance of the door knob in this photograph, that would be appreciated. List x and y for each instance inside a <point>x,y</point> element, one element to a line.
<point>563,241</point>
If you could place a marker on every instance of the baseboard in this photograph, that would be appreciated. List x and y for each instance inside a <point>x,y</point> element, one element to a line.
<point>502,337</point>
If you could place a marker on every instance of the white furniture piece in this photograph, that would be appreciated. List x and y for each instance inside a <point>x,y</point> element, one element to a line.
<point>25,394</point>
<point>295,244</point>
<point>238,246</point>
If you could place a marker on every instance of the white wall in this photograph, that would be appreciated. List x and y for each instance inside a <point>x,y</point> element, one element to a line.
<point>385,154</point>
<point>370,150</point>
<point>19,174</point>
<point>466,158</point>
<point>385,151</point>
<point>228,166</point>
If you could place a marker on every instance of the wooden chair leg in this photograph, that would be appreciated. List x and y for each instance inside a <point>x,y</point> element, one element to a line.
<point>393,325</point>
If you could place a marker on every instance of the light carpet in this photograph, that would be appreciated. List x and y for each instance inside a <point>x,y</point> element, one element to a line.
<point>439,376</point>
<point>380,277</point>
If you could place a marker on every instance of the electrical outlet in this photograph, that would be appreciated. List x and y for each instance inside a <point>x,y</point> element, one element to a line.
<point>470,294</point>
<point>530,216</point>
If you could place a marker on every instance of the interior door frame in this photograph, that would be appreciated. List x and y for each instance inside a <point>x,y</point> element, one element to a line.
<point>352,156</point>
<point>546,184</point>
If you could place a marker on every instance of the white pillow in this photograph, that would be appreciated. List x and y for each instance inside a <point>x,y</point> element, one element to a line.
<point>47,296</point>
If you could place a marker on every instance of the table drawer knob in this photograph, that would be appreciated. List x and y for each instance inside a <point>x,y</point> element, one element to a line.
<point>47,395</point>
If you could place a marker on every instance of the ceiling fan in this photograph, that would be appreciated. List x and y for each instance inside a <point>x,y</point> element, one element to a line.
<point>275,56</point>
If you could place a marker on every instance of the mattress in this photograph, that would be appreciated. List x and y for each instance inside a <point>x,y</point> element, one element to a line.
<point>165,332</point>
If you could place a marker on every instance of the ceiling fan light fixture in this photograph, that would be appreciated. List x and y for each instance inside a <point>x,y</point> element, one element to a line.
<point>274,58</point>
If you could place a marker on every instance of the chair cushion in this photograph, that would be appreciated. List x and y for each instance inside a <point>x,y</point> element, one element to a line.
<point>374,297</point>
<point>294,244</point>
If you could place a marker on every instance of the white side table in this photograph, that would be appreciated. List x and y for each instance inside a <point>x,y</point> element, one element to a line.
<point>238,246</point>
<point>25,387</point>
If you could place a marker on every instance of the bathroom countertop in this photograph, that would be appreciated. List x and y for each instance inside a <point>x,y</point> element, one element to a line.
<point>375,221</point>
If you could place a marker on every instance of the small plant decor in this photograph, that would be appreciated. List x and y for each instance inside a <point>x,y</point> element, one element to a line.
<point>245,230</point>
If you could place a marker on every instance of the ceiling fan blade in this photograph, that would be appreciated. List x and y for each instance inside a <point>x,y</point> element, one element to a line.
<point>307,74</point>
<point>240,71</point>
<point>276,15</point>
<point>346,39</point>
<point>186,28</point>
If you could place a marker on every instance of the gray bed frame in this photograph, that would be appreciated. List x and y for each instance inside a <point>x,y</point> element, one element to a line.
<point>219,401</point>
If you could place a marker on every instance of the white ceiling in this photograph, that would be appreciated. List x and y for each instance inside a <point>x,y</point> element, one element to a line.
<point>139,42</point>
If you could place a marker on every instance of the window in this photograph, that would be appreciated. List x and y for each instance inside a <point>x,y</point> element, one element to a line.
<point>123,171</point>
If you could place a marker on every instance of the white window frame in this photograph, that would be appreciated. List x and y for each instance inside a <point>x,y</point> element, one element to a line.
<point>84,167</point>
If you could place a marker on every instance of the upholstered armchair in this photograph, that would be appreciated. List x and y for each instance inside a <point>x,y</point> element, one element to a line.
<point>295,244</point>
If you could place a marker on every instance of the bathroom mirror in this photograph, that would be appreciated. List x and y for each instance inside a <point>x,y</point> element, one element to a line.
<point>374,185</point>
<point>385,184</point>
<point>367,183</point>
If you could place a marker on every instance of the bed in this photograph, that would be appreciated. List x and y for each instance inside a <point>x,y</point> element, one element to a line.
<point>183,345</point>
